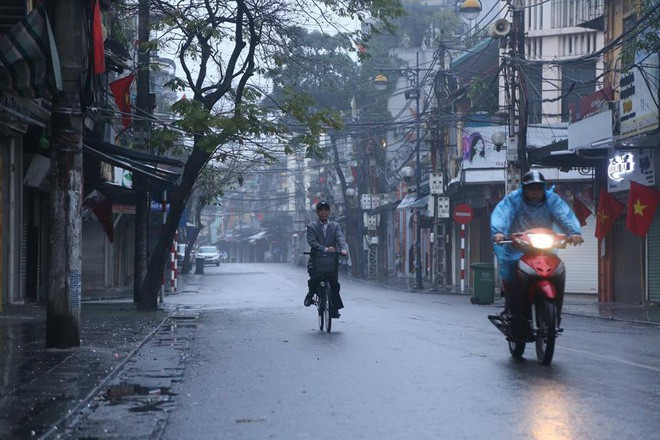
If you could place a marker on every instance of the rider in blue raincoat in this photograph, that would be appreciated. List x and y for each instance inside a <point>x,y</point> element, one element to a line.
<point>532,206</point>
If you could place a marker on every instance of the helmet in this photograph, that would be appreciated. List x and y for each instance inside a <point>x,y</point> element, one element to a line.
<point>533,176</point>
<point>322,205</point>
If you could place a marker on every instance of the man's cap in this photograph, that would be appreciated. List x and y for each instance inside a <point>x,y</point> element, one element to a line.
<point>531,177</point>
<point>322,205</point>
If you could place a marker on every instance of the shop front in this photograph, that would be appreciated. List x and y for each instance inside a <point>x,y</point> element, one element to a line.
<point>631,253</point>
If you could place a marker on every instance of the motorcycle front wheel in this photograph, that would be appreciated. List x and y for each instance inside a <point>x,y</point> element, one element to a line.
<point>546,329</point>
<point>517,348</point>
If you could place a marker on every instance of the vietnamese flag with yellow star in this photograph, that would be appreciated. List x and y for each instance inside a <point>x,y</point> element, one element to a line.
<point>642,202</point>
<point>609,209</point>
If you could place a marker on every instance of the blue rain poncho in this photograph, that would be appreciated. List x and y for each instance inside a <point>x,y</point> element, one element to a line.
<point>514,214</point>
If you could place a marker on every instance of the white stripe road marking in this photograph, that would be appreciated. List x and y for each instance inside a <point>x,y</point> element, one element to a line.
<point>614,359</point>
<point>291,283</point>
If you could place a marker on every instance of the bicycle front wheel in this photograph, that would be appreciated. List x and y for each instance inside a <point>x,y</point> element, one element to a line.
<point>319,307</point>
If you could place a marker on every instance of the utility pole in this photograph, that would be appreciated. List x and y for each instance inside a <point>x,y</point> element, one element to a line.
<point>63,303</point>
<point>141,188</point>
<point>380,82</point>
<point>436,183</point>
<point>418,180</point>
<point>518,96</point>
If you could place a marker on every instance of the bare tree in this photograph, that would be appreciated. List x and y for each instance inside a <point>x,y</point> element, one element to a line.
<point>221,47</point>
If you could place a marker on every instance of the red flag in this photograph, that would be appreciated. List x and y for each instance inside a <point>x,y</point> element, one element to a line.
<point>581,211</point>
<point>609,209</point>
<point>642,203</point>
<point>97,40</point>
<point>121,91</point>
<point>101,206</point>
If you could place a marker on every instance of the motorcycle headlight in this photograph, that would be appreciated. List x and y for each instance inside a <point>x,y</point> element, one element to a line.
<point>541,241</point>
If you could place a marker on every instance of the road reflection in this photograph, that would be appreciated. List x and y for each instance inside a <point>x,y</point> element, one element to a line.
<point>549,412</point>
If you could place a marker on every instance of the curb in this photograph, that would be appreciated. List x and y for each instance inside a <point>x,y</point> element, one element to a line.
<point>565,311</point>
<point>74,413</point>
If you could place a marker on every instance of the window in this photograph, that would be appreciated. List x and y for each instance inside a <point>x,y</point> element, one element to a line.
<point>578,78</point>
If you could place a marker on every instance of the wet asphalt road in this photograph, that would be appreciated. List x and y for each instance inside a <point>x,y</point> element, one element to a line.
<point>398,365</point>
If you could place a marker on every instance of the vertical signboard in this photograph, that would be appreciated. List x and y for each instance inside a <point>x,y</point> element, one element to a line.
<point>638,106</point>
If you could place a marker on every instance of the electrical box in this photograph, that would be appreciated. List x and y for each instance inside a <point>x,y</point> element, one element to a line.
<point>436,183</point>
<point>443,207</point>
<point>512,149</point>
<point>366,200</point>
<point>372,222</point>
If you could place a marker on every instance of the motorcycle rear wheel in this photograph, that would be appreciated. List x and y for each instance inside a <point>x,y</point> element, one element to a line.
<point>546,324</point>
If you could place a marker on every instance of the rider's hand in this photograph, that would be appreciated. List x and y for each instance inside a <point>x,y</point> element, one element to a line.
<point>331,249</point>
<point>576,239</point>
<point>498,237</point>
<point>344,252</point>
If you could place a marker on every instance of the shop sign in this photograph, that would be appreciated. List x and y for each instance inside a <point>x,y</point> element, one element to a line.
<point>637,104</point>
<point>591,104</point>
<point>123,178</point>
<point>626,166</point>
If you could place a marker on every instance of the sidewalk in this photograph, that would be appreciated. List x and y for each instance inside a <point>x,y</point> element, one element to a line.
<point>574,304</point>
<point>41,389</point>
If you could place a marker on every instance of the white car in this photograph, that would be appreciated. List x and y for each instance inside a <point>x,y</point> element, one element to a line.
<point>210,255</point>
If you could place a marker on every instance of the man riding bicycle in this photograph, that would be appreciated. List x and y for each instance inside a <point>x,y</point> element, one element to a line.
<point>324,236</point>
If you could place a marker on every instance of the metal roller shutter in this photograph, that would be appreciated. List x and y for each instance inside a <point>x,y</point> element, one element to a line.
<point>627,264</point>
<point>653,259</point>
<point>582,263</point>
<point>93,254</point>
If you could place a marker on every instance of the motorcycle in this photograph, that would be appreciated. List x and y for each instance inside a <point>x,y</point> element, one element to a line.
<point>537,294</point>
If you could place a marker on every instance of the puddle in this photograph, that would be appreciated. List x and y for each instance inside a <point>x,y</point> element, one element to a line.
<point>136,390</point>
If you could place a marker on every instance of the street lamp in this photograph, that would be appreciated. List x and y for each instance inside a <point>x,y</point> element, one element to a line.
<point>498,138</point>
<point>470,9</point>
<point>380,83</point>
<point>406,172</point>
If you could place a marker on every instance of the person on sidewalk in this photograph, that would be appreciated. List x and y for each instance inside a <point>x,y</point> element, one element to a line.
<point>324,236</point>
<point>532,206</point>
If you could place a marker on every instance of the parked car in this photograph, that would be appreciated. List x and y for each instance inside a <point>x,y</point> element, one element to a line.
<point>181,253</point>
<point>210,254</point>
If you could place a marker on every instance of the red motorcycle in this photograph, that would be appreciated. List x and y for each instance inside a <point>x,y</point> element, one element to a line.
<point>537,294</point>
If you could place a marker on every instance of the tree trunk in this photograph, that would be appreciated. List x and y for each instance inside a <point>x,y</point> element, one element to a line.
<point>63,304</point>
<point>151,284</point>
<point>187,264</point>
<point>352,223</point>
<point>142,207</point>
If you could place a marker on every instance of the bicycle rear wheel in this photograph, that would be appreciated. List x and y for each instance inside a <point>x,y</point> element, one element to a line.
<point>326,312</point>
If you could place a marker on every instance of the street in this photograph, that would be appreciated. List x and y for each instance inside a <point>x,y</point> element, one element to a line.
<point>396,365</point>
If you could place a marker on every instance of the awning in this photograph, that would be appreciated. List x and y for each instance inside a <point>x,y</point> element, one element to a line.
<point>558,155</point>
<point>406,201</point>
<point>135,161</point>
<point>117,150</point>
<point>420,203</point>
<point>257,236</point>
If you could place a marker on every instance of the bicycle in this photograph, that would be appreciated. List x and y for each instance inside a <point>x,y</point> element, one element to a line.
<point>325,264</point>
